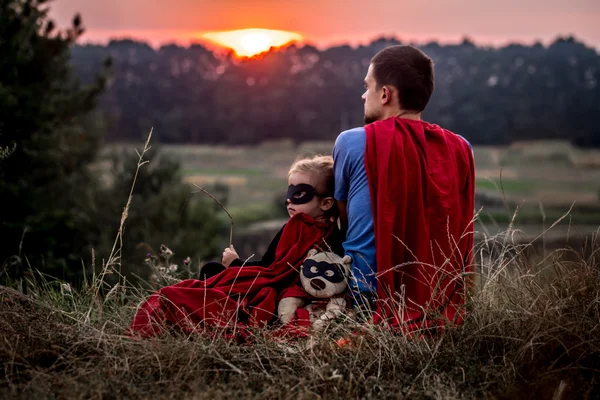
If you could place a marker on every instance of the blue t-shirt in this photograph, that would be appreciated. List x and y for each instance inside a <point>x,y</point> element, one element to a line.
<point>352,186</point>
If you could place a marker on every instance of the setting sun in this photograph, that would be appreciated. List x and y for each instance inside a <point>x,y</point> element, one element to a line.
<point>249,42</point>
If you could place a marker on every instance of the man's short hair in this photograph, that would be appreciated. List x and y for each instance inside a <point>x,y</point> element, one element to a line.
<point>407,69</point>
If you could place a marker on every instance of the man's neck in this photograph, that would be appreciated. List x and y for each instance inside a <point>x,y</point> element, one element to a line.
<point>403,114</point>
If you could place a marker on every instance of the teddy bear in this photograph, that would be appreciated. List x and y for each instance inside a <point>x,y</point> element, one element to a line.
<point>324,276</point>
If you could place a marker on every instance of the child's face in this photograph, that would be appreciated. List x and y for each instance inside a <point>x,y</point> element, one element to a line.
<point>316,207</point>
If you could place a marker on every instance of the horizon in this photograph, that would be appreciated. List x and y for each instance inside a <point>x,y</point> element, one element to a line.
<point>216,47</point>
<point>326,24</point>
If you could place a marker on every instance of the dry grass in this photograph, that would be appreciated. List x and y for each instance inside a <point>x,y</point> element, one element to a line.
<point>532,332</point>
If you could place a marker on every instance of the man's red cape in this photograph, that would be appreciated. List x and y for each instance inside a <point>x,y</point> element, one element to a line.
<point>422,182</point>
<point>237,297</point>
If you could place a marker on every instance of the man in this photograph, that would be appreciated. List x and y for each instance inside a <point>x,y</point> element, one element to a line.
<point>405,190</point>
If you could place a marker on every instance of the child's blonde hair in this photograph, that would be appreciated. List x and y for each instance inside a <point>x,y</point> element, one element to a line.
<point>321,169</point>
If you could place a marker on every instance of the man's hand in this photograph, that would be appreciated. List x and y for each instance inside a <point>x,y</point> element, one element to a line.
<point>229,255</point>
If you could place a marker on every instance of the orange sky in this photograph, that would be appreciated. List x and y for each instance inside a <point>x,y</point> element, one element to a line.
<point>324,22</point>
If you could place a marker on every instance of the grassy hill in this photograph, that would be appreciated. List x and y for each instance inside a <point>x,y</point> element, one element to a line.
<point>531,332</point>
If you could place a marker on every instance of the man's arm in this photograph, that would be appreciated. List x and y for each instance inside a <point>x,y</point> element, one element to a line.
<point>341,172</point>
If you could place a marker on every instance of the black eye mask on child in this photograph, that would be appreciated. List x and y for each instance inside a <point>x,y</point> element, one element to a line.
<point>301,194</point>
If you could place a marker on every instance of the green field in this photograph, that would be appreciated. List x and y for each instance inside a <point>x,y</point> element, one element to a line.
<point>551,175</point>
<point>526,172</point>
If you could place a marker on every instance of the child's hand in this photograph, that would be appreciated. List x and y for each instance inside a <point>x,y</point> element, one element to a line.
<point>228,256</point>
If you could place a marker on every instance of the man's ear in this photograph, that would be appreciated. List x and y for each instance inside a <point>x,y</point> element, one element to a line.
<point>327,203</point>
<point>386,95</point>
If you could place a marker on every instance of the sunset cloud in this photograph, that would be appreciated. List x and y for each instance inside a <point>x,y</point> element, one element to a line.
<point>325,22</point>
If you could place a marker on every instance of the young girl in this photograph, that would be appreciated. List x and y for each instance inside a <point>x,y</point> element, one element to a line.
<point>310,191</point>
<point>239,297</point>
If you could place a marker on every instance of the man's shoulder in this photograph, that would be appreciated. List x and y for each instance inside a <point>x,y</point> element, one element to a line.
<point>352,138</point>
<point>453,134</point>
<point>463,139</point>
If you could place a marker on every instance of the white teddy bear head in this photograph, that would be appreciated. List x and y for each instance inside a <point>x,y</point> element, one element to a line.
<point>325,274</point>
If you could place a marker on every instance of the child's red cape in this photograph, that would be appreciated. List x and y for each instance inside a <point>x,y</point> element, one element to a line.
<point>237,297</point>
<point>422,183</point>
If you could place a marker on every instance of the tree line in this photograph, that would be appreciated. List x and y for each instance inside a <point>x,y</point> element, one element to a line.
<point>489,95</point>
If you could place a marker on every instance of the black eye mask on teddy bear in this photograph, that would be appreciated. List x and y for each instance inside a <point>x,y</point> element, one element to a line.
<point>330,272</point>
<point>301,194</point>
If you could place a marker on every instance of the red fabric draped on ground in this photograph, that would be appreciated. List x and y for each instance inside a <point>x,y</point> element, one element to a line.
<point>238,296</point>
<point>422,190</point>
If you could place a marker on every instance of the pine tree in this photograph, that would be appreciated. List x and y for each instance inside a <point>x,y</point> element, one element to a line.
<point>45,184</point>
